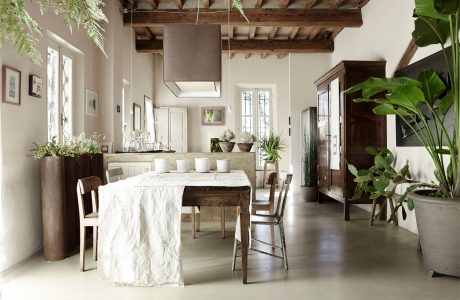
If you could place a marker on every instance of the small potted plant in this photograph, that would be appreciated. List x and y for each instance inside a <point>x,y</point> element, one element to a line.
<point>270,146</point>
<point>226,143</point>
<point>247,141</point>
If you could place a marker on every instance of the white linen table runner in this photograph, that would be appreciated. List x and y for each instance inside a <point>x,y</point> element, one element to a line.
<point>139,225</point>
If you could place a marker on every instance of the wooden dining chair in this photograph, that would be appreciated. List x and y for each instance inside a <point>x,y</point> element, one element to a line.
<point>113,175</point>
<point>272,219</point>
<point>88,185</point>
<point>268,205</point>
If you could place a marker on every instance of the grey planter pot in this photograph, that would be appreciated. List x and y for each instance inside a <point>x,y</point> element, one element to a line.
<point>227,146</point>
<point>438,222</point>
<point>309,193</point>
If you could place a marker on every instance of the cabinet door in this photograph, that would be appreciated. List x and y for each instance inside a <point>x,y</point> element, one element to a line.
<point>178,129</point>
<point>323,140</point>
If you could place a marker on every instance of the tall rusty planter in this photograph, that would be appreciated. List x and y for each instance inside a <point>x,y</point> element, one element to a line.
<point>59,176</point>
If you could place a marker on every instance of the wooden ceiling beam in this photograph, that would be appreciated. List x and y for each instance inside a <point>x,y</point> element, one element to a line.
<point>258,4</point>
<point>230,32</point>
<point>252,32</point>
<point>294,32</point>
<point>310,3</point>
<point>281,55</point>
<point>254,46</point>
<point>360,3</point>
<point>257,17</point>
<point>264,55</point>
<point>205,3</point>
<point>248,55</point>
<point>180,4</point>
<point>335,3</point>
<point>284,3</point>
<point>314,33</point>
<point>273,32</point>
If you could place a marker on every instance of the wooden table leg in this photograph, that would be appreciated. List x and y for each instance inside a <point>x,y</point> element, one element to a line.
<point>244,220</point>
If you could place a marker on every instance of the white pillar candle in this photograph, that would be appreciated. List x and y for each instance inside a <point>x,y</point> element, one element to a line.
<point>182,165</point>
<point>223,165</point>
<point>161,165</point>
<point>202,165</point>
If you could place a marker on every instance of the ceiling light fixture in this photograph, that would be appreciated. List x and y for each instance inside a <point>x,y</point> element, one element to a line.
<point>192,60</point>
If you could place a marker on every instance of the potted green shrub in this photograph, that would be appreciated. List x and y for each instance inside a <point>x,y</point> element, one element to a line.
<point>437,209</point>
<point>247,141</point>
<point>226,143</point>
<point>271,145</point>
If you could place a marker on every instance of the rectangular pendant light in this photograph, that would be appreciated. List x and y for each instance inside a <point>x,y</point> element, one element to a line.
<point>192,60</point>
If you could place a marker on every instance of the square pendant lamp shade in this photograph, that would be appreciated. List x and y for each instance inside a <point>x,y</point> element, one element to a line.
<point>192,60</point>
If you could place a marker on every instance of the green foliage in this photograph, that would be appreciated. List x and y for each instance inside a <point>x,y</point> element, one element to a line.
<point>74,147</point>
<point>435,22</point>
<point>381,181</point>
<point>271,145</point>
<point>17,25</point>
<point>247,137</point>
<point>214,145</point>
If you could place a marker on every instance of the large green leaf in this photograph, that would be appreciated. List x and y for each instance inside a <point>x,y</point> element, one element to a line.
<point>430,31</point>
<point>353,169</point>
<point>374,85</point>
<point>446,7</point>
<point>446,102</point>
<point>384,109</point>
<point>427,8</point>
<point>380,162</point>
<point>381,184</point>
<point>432,85</point>
<point>409,97</point>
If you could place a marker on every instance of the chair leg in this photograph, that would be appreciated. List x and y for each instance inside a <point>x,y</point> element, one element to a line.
<point>193,222</point>
<point>273,235</point>
<point>95,236</point>
<point>82,248</point>
<point>283,245</point>
<point>222,222</point>
<point>235,250</point>
<point>198,221</point>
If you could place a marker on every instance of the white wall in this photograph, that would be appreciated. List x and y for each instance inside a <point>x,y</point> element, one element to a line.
<point>304,70</point>
<point>20,209</point>
<point>385,35</point>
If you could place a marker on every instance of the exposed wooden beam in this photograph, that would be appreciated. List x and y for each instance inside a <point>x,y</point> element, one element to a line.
<point>205,3</point>
<point>248,55</point>
<point>335,3</point>
<point>264,55</point>
<point>281,55</point>
<point>252,32</point>
<point>408,55</point>
<point>361,3</point>
<point>336,32</point>
<point>284,3</point>
<point>294,32</point>
<point>257,17</point>
<point>258,4</point>
<point>154,3</point>
<point>254,46</point>
<point>180,4</point>
<point>310,3</point>
<point>314,33</point>
<point>273,32</point>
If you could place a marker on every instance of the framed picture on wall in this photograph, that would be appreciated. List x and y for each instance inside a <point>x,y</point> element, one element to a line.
<point>11,85</point>
<point>213,115</point>
<point>92,103</point>
<point>136,117</point>
<point>35,86</point>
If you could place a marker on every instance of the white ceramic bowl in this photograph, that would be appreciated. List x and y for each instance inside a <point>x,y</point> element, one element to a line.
<point>182,165</point>
<point>202,165</point>
<point>161,165</point>
<point>223,165</point>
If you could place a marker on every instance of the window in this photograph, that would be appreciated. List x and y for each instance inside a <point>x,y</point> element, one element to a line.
<point>256,115</point>
<point>59,92</point>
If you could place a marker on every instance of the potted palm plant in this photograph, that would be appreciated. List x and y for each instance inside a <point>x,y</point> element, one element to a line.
<point>271,145</point>
<point>437,209</point>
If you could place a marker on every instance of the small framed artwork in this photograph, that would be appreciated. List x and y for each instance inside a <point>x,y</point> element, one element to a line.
<point>92,103</point>
<point>11,85</point>
<point>212,115</point>
<point>35,86</point>
<point>136,117</point>
<point>107,147</point>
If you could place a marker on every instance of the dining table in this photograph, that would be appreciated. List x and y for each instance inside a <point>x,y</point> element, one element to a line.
<point>140,223</point>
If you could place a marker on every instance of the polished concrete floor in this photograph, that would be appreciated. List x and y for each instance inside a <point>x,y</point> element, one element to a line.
<point>328,259</point>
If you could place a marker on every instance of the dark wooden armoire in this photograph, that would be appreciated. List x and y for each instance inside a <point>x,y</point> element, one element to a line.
<point>345,128</point>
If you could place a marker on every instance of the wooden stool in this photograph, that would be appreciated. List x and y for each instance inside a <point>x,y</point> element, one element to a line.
<point>266,171</point>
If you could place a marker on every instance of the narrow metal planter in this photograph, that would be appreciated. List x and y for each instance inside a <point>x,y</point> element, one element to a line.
<point>438,222</point>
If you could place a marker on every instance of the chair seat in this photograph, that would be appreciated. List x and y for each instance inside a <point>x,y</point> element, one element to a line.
<point>91,215</point>
<point>264,219</point>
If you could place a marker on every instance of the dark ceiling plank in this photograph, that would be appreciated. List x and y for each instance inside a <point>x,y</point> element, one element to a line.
<point>408,55</point>
<point>255,46</point>
<point>252,32</point>
<point>205,3</point>
<point>310,3</point>
<point>284,3</point>
<point>314,33</point>
<point>361,3</point>
<point>230,32</point>
<point>258,4</point>
<point>257,17</point>
<point>180,4</point>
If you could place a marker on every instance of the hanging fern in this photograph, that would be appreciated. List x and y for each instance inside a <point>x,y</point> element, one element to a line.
<point>17,25</point>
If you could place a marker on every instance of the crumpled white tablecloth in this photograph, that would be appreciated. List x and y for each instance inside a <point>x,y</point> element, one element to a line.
<point>139,226</point>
